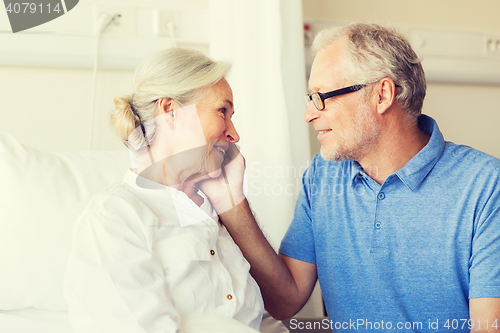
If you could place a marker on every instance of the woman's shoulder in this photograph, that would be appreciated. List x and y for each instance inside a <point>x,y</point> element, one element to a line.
<point>117,205</point>
<point>114,196</point>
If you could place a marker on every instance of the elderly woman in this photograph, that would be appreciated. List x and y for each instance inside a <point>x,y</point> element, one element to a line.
<point>149,254</point>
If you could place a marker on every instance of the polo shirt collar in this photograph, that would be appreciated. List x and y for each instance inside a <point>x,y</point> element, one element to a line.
<point>356,171</point>
<point>415,171</point>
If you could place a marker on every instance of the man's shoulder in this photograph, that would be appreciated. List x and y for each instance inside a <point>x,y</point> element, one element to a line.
<point>468,158</point>
<point>463,167</point>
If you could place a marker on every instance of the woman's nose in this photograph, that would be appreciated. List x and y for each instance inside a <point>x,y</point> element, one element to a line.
<point>231,133</point>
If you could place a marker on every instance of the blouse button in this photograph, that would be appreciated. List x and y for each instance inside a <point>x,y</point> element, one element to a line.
<point>229,297</point>
<point>212,252</point>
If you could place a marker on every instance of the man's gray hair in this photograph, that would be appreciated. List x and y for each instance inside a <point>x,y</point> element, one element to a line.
<point>374,52</point>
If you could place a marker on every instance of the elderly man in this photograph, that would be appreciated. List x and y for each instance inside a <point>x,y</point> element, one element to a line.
<point>401,227</point>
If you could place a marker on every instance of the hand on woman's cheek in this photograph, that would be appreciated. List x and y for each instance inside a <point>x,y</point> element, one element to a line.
<point>226,191</point>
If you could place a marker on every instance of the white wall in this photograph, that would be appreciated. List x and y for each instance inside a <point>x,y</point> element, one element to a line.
<point>50,108</point>
<point>477,15</point>
<point>466,114</point>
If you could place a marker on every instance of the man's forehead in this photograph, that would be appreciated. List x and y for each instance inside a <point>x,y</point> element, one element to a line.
<point>326,68</point>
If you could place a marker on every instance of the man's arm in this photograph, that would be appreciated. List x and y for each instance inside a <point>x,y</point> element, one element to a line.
<point>285,283</point>
<point>485,313</point>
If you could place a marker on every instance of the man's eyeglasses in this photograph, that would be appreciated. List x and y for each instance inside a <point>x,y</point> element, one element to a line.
<point>319,98</point>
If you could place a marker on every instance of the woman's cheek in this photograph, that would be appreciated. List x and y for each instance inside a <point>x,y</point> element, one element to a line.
<point>215,132</point>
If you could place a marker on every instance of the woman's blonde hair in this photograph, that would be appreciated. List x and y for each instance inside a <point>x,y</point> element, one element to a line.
<point>180,74</point>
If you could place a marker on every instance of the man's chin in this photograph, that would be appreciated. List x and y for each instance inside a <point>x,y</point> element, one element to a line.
<point>334,155</point>
<point>329,154</point>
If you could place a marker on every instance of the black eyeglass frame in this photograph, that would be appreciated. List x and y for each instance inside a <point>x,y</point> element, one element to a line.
<point>338,92</point>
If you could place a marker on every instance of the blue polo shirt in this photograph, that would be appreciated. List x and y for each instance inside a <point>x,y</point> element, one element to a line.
<point>406,255</point>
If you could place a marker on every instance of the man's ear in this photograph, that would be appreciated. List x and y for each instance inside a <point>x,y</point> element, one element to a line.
<point>385,94</point>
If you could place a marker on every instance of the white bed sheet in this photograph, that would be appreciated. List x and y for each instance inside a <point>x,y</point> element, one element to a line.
<point>32,320</point>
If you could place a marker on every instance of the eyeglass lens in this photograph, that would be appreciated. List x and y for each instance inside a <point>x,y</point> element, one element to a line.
<point>316,99</point>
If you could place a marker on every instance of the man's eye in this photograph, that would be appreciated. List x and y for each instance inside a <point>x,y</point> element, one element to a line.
<point>223,110</point>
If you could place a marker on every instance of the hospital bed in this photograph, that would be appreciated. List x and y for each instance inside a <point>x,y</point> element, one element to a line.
<point>42,194</point>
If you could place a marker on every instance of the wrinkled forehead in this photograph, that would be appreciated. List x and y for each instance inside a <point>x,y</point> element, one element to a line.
<point>217,93</point>
<point>327,69</point>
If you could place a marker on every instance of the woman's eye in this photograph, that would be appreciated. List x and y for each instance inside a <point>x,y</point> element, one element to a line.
<point>223,111</point>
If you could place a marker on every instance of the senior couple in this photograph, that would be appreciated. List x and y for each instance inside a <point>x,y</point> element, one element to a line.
<point>176,248</point>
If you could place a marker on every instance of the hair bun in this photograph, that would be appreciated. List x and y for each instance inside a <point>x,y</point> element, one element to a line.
<point>123,120</point>
<point>123,103</point>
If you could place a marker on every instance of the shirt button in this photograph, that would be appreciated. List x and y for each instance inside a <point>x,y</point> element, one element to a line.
<point>381,196</point>
<point>229,297</point>
<point>378,225</point>
<point>212,252</point>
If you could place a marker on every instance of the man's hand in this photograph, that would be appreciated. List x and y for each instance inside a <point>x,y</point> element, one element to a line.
<point>285,283</point>
<point>226,191</point>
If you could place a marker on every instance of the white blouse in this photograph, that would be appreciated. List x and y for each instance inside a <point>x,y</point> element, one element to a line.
<point>144,256</point>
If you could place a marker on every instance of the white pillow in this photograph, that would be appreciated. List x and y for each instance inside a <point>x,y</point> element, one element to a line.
<point>41,195</point>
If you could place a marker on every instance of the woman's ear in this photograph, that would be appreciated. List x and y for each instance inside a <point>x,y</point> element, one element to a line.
<point>165,108</point>
<point>166,105</point>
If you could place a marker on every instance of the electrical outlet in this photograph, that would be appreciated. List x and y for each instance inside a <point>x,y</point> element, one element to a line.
<point>493,46</point>
<point>168,22</point>
<point>123,23</point>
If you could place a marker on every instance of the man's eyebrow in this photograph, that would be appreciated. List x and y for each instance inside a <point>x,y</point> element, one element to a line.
<point>229,102</point>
